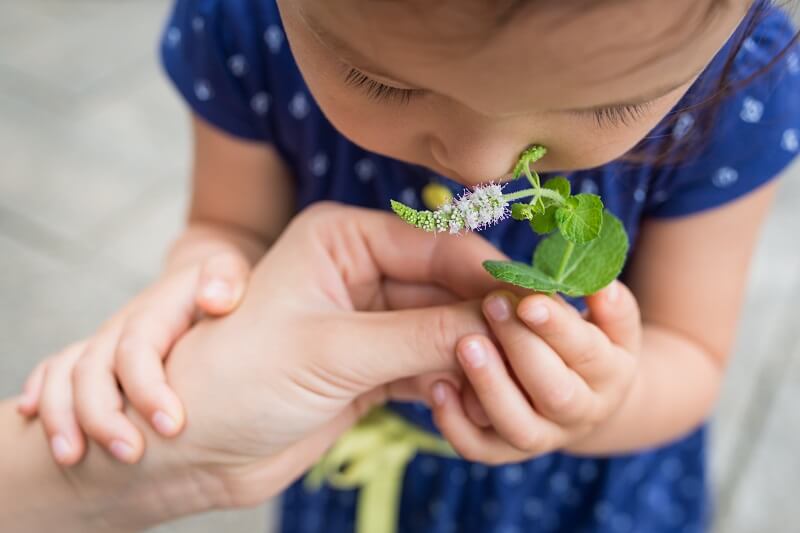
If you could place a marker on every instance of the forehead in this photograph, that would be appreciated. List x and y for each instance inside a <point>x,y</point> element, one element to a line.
<point>536,54</point>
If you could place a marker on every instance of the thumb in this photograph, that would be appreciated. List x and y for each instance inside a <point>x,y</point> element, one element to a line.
<point>222,282</point>
<point>615,311</point>
<point>393,345</point>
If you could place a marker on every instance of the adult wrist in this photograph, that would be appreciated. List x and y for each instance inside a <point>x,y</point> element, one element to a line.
<point>163,486</point>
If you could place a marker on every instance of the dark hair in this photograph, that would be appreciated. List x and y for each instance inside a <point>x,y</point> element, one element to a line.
<point>677,150</point>
<point>673,150</point>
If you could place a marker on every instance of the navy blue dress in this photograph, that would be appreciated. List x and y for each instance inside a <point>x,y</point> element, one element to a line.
<point>230,61</point>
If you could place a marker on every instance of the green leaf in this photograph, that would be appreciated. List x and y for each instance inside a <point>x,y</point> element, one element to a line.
<point>545,222</point>
<point>522,275</point>
<point>581,218</point>
<point>560,184</point>
<point>521,211</point>
<point>589,267</point>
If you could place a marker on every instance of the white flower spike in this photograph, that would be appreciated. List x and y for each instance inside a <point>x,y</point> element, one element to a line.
<point>474,210</point>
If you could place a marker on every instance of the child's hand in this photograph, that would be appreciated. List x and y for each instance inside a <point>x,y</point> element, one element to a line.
<point>558,376</point>
<point>127,353</point>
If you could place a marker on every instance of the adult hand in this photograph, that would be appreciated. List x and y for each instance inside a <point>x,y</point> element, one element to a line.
<point>318,340</point>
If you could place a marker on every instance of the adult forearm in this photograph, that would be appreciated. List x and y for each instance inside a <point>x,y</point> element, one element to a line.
<point>99,495</point>
<point>674,392</point>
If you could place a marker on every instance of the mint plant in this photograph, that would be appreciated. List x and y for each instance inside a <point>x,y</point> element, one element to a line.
<point>586,253</point>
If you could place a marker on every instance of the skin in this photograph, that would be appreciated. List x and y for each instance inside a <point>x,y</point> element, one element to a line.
<point>483,100</point>
<point>296,388</point>
<point>654,369</point>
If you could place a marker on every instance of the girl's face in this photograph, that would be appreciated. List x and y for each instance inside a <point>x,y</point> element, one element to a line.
<point>462,87</point>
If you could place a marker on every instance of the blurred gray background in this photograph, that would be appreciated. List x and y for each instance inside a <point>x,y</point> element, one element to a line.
<point>93,166</point>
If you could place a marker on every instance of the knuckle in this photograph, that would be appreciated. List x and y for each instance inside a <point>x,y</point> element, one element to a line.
<point>83,368</point>
<point>560,398</point>
<point>438,333</point>
<point>91,419</point>
<point>322,211</point>
<point>129,346</point>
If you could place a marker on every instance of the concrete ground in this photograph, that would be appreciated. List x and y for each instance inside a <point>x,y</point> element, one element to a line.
<point>93,160</point>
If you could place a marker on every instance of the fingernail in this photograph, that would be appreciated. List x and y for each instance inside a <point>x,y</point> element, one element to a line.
<point>612,292</point>
<point>121,450</point>
<point>439,393</point>
<point>218,291</point>
<point>498,308</point>
<point>61,448</point>
<point>164,423</point>
<point>537,314</point>
<point>473,354</point>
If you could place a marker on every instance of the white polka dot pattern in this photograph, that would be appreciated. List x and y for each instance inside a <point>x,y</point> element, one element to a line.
<point>752,110</point>
<point>319,164</point>
<point>725,177</point>
<point>273,37</point>
<point>260,103</point>
<point>299,106</point>
<point>790,140</point>
<point>173,37</point>
<point>203,90</point>
<point>238,65</point>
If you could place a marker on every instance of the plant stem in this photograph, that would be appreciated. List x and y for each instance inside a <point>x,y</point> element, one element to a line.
<point>533,177</point>
<point>564,260</point>
<point>538,193</point>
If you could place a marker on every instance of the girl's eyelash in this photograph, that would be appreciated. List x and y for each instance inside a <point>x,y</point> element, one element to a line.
<point>621,115</point>
<point>376,90</point>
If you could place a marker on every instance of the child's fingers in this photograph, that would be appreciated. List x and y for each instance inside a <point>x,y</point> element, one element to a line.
<point>556,390</point>
<point>56,408</point>
<point>98,402</point>
<point>615,311</point>
<point>222,282</point>
<point>580,344</point>
<point>142,346</point>
<point>470,441</point>
<point>28,401</point>
<point>506,406</point>
<point>473,408</point>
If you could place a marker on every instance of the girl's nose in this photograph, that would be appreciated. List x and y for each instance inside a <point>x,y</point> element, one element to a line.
<point>472,158</point>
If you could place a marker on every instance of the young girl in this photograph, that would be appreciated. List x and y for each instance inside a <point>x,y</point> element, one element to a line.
<point>677,113</point>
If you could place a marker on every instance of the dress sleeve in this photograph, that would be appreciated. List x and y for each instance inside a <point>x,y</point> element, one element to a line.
<point>217,54</point>
<point>756,134</point>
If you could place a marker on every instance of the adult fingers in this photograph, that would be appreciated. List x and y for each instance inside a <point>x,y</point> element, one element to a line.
<point>392,345</point>
<point>402,295</point>
<point>369,242</point>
